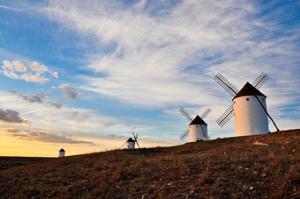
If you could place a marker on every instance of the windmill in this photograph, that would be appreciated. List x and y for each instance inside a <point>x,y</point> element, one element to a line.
<point>61,153</point>
<point>132,141</point>
<point>197,129</point>
<point>249,107</point>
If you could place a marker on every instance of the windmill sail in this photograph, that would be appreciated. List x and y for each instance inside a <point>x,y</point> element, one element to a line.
<point>182,136</point>
<point>135,136</point>
<point>225,117</point>
<point>260,80</point>
<point>123,145</point>
<point>224,83</point>
<point>205,113</point>
<point>185,114</point>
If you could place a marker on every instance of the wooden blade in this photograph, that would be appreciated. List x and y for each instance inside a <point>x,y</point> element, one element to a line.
<point>260,80</point>
<point>182,136</point>
<point>225,117</point>
<point>137,144</point>
<point>123,145</point>
<point>185,114</point>
<point>135,136</point>
<point>224,83</point>
<point>205,113</point>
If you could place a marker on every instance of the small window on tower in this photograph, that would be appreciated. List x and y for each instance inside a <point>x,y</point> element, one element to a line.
<point>247,99</point>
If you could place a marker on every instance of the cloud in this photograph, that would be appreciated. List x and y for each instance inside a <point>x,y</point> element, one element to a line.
<point>43,136</point>
<point>34,98</point>
<point>10,116</point>
<point>57,105</point>
<point>10,8</point>
<point>69,91</point>
<point>167,58</point>
<point>29,71</point>
<point>192,41</point>
<point>76,119</point>
<point>170,58</point>
<point>38,98</point>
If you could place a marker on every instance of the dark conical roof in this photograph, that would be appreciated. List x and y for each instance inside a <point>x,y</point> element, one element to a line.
<point>248,89</point>
<point>61,150</point>
<point>197,120</point>
<point>130,140</point>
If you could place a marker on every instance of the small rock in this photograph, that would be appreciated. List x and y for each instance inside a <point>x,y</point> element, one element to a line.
<point>260,143</point>
<point>251,187</point>
<point>246,168</point>
<point>263,175</point>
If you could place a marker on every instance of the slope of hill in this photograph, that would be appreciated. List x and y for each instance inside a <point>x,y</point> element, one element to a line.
<point>8,162</point>
<point>244,167</point>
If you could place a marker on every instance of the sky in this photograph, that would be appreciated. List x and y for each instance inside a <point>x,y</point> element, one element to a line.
<point>83,75</point>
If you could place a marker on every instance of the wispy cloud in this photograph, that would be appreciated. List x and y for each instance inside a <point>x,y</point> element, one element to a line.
<point>10,8</point>
<point>43,136</point>
<point>170,58</point>
<point>39,97</point>
<point>10,116</point>
<point>69,91</point>
<point>76,119</point>
<point>29,72</point>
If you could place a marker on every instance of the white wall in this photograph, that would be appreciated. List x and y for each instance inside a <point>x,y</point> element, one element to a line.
<point>196,132</point>
<point>250,118</point>
<point>130,145</point>
<point>61,154</point>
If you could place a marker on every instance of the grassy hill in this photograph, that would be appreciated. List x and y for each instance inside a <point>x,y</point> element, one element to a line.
<point>8,162</point>
<point>244,167</point>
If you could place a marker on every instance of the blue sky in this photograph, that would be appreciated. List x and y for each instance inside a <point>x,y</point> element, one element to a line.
<point>118,65</point>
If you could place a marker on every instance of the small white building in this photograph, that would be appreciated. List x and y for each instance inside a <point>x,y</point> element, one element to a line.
<point>197,130</point>
<point>130,143</point>
<point>61,153</point>
<point>250,111</point>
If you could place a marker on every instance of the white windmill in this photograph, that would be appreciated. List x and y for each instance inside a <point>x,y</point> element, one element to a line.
<point>61,153</point>
<point>197,129</point>
<point>131,142</point>
<point>249,107</point>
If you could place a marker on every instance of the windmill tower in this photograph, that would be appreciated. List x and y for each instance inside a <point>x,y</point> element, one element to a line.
<point>61,153</point>
<point>249,107</point>
<point>197,129</point>
<point>131,142</point>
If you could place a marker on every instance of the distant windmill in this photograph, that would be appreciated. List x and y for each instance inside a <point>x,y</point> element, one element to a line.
<point>61,153</point>
<point>249,107</point>
<point>131,142</point>
<point>197,129</point>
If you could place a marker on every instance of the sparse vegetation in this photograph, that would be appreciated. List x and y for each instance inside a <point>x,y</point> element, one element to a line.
<point>244,167</point>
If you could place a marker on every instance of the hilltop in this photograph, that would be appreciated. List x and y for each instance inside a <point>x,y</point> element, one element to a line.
<point>265,166</point>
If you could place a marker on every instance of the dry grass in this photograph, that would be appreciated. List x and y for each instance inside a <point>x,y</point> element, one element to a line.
<point>223,168</point>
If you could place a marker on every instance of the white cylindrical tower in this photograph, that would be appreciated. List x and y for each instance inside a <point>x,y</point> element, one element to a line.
<point>61,153</point>
<point>250,114</point>
<point>197,130</point>
<point>130,143</point>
